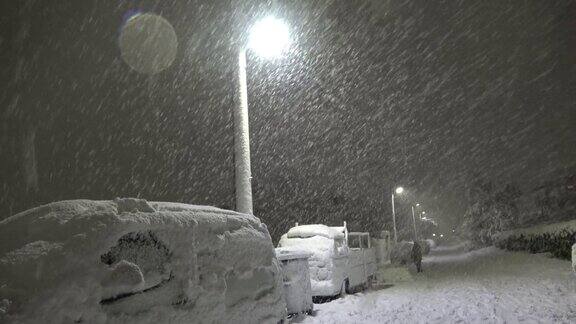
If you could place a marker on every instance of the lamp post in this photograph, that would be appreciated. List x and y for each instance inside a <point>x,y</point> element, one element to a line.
<point>398,191</point>
<point>414,223</point>
<point>269,37</point>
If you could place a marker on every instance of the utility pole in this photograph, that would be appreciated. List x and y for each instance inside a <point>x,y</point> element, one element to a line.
<point>414,223</point>
<point>242,141</point>
<point>394,219</point>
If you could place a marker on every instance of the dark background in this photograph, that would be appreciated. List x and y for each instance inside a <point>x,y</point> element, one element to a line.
<point>426,94</point>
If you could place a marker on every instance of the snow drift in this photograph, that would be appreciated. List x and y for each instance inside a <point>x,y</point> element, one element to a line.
<point>131,261</point>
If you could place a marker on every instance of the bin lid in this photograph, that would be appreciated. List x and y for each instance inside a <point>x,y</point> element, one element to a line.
<point>290,253</point>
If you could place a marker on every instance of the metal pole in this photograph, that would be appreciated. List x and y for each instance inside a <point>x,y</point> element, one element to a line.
<point>242,141</point>
<point>394,220</point>
<point>414,222</point>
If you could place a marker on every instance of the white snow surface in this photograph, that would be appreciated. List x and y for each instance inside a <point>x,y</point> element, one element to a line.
<point>483,286</point>
<point>131,261</point>
<point>304,231</point>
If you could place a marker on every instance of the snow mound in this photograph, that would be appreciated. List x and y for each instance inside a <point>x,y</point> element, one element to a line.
<point>431,243</point>
<point>394,274</point>
<point>304,231</point>
<point>133,261</point>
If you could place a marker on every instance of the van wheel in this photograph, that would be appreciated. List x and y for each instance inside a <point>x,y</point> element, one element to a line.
<point>345,288</point>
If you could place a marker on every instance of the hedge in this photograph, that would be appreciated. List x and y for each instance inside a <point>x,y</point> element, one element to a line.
<point>559,244</point>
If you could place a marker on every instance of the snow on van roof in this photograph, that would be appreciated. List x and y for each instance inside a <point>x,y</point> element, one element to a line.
<point>304,231</point>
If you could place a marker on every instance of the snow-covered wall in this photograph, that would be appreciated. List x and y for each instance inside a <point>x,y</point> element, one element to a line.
<point>130,261</point>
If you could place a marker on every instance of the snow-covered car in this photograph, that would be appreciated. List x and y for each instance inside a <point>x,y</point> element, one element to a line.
<point>133,261</point>
<point>335,268</point>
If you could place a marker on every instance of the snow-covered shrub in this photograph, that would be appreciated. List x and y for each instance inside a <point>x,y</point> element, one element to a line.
<point>131,261</point>
<point>401,253</point>
<point>559,243</point>
<point>425,245</point>
<point>493,210</point>
<point>496,207</point>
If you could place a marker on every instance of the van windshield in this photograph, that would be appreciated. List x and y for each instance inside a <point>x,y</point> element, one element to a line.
<point>312,243</point>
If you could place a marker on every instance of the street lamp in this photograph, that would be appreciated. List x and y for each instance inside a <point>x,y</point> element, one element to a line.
<point>398,190</point>
<point>268,38</point>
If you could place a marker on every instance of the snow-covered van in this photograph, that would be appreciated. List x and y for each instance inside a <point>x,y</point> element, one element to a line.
<point>362,260</point>
<point>335,268</point>
<point>133,261</point>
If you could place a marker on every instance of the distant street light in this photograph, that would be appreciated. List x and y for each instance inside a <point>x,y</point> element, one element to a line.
<point>268,38</point>
<point>399,190</point>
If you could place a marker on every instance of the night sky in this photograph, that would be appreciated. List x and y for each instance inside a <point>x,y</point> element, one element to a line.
<point>372,94</point>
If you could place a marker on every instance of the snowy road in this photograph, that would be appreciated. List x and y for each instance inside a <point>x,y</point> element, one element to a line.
<point>483,286</point>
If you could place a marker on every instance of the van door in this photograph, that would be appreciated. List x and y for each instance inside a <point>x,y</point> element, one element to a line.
<point>356,263</point>
<point>340,263</point>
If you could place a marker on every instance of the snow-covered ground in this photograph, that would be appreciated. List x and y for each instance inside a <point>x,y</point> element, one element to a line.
<point>482,286</point>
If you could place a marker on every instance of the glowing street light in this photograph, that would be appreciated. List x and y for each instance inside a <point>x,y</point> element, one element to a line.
<point>399,190</point>
<point>268,38</point>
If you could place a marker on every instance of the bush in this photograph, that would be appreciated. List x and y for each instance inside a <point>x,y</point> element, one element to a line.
<point>401,253</point>
<point>426,246</point>
<point>559,244</point>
